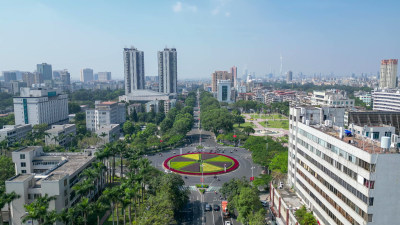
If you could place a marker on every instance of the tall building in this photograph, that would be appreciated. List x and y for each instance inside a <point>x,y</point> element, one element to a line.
<point>289,76</point>
<point>45,71</point>
<point>56,74</point>
<point>234,76</point>
<point>167,71</point>
<point>31,78</point>
<point>65,77</point>
<point>54,174</point>
<point>104,76</point>
<point>133,70</point>
<point>86,75</point>
<point>9,76</point>
<point>220,75</point>
<point>105,113</point>
<point>39,106</point>
<point>388,75</point>
<point>344,176</point>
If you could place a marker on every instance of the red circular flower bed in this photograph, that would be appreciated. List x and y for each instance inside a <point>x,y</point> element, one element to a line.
<point>189,164</point>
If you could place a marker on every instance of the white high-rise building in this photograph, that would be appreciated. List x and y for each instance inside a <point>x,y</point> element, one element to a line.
<point>104,76</point>
<point>105,113</point>
<point>347,177</point>
<point>133,70</point>
<point>388,73</point>
<point>167,71</point>
<point>386,100</point>
<point>224,90</point>
<point>39,106</point>
<point>86,75</point>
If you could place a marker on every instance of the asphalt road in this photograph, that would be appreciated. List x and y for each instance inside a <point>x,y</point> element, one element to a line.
<point>194,211</point>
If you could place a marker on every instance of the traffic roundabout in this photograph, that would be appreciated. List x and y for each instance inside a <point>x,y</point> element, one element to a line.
<point>203,163</point>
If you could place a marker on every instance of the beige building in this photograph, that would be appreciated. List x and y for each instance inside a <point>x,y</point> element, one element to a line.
<point>388,73</point>
<point>60,134</point>
<point>220,75</point>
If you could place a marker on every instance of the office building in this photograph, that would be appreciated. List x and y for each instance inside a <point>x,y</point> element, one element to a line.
<point>365,97</point>
<point>224,91</point>
<point>133,70</point>
<point>289,76</point>
<point>234,76</point>
<point>86,75</point>
<point>57,74</point>
<point>388,74</point>
<point>45,71</point>
<point>9,76</point>
<point>13,133</point>
<point>28,78</point>
<point>345,176</point>
<point>220,75</point>
<point>54,174</point>
<point>386,100</point>
<point>104,76</point>
<point>16,86</point>
<point>332,98</point>
<point>60,134</point>
<point>167,71</point>
<point>109,133</point>
<point>39,106</point>
<point>105,113</point>
<point>65,77</point>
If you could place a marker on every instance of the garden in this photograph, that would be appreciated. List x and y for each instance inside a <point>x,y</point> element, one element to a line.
<point>201,163</point>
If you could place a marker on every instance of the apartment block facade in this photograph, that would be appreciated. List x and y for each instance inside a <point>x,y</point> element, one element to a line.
<point>344,176</point>
<point>105,113</point>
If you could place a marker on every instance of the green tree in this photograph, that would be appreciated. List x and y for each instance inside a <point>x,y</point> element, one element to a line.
<point>246,203</point>
<point>134,116</point>
<point>249,130</point>
<point>38,209</point>
<point>7,169</point>
<point>73,107</point>
<point>280,162</point>
<point>166,124</point>
<point>128,127</point>
<point>257,218</point>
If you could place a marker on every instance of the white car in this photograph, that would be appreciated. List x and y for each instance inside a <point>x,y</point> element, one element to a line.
<point>227,222</point>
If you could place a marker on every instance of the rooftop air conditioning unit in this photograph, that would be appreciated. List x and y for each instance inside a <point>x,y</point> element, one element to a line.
<point>328,123</point>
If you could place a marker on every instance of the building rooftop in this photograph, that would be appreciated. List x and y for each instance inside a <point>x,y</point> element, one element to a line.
<point>27,149</point>
<point>72,164</point>
<point>19,177</point>
<point>55,176</point>
<point>290,198</point>
<point>356,140</point>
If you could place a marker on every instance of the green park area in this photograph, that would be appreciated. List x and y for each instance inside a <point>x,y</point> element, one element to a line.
<point>276,124</point>
<point>268,116</point>
<point>246,124</point>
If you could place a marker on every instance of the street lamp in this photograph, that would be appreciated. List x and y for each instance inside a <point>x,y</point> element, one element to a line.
<point>202,177</point>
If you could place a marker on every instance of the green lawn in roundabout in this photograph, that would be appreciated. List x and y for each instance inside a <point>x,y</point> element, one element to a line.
<point>201,163</point>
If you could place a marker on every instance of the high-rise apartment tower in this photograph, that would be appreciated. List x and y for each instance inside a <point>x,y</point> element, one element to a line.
<point>133,69</point>
<point>388,75</point>
<point>167,70</point>
<point>45,71</point>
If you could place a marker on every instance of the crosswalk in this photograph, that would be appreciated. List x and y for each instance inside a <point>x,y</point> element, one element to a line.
<point>209,189</point>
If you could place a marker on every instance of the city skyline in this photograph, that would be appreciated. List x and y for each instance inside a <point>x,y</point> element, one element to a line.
<point>311,36</point>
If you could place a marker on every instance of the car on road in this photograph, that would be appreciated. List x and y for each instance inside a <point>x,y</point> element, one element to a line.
<point>207,208</point>
<point>227,222</point>
<point>216,207</point>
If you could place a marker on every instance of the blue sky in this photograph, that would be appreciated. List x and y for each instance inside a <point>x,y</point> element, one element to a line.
<point>313,36</point>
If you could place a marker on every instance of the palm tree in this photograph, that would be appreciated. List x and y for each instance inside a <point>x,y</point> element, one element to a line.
<point>121,148</point>
<point>97,208</point>
<point>84,209</point>
<point>37,210</point>
<point>8,199</point>
<point>144,166</point>
<point>112,195</point>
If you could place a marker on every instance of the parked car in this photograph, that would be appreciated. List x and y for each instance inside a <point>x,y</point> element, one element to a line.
<point>227,222</point>
<point>216,208</point>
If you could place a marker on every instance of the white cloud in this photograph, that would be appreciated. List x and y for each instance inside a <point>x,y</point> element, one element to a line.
<point>177,7</point>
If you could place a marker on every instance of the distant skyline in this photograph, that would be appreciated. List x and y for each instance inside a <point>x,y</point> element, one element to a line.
<point>313,36</point>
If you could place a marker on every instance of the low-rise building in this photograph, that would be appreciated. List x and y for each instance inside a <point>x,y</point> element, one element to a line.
<point>105,113</point>
<point>283,203</point>
<point>109,133</point>
<point>386,100</point>
<point>373,118</point>
<point>60,134</point>
<point>13,133</point>
<point>54,174</point>
<point>332,98</point>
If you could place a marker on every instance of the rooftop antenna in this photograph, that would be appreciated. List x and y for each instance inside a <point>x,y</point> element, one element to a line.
<point>281,64</point>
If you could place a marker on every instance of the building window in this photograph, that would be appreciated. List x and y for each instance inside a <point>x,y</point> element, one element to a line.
<point>23,171</point>
<point>375,135</point>
<point>29,196</point>
<point>371,201</point>
<point>388,134</point>
<point>22,156</point>
<point>66,202</point>
<point>65,182</point>
<point>65,192</point>
<point>369,217</point>
<point>23,164</point>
